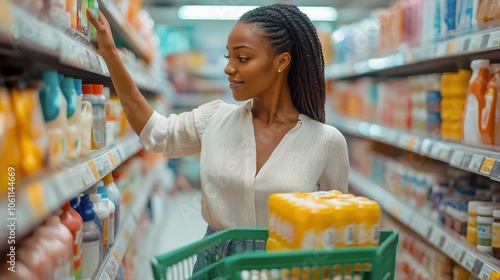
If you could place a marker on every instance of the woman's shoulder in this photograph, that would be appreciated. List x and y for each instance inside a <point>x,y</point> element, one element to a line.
<point>320,128</point>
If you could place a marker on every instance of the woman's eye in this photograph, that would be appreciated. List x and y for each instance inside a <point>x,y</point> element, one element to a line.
<point>243,59</point>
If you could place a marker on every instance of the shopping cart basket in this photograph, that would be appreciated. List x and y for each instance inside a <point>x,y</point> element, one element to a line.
<point>371,263</point>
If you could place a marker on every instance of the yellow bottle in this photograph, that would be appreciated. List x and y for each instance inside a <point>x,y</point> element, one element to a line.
<point>10,156</point>
<point>31,129</point>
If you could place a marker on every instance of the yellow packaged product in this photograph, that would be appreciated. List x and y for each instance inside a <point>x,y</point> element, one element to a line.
<point>368,224</point>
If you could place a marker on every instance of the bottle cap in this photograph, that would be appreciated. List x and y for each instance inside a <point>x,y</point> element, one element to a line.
<point>74,203</point>
<point>480,63</point>
<point>50,78</point>
<point>108,179</point>
<point>87,89</point>
<point>485,210</point>
<point>475,203</point>
<point>102,191</point>
<point>98,89</point>
<point>86,209</point>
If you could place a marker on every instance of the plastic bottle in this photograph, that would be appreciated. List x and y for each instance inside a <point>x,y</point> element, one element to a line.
<point>86,128</point>
<point>9,150</point>
<point>91,240</point>
<point>73,221</point>
<point>475,99</point>
<point>114,196</point>
<point>71,10</point>
<point>36,258</point>
<point>488,112</point>
<point>484,223</point>
<point>495,234</point>
<point>75,204</point>
<point>94,7</point>
<point>111,207</point>
<point>57,251</point>
<point>54,112</point>
<point>84,21</point>
<point>74,117</point>
<point>98,137</point>
<point>32,137</point>
<point>63,234</point>
<point>103,213</point>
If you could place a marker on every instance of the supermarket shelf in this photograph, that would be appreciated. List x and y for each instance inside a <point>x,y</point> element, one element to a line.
<point>479,264</point>
<point>30,42</point>
<point>445,55</point>
<point>122,28</point>
<point>109,266</point>
<point>40,196</point>
<point>484,161</point>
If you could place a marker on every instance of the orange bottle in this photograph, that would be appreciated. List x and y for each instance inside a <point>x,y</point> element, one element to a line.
<point>488,111</point>
<point>475,100</point>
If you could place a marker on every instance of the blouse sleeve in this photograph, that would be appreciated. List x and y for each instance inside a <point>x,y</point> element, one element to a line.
<point>178,135</point>
<point>336,173</point>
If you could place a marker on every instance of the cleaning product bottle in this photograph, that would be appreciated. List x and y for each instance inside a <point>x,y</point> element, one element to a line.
<point>36,258</point>
<point>114,196</point>
<point>73,221</point>
<point>54,112</point>
<point>86,128</point>
<point>111,208</point>
<point>488,111</point>
<point>84,23</point>
<point>98,138</point>
<point>75,204</point>
<point>475,99</point>
<point>57,251</point>
<point>63,234</point>
<point>74,117</point>
<point>99,92</point>
<point>10,155</point>
<point>103,213</point>
<point>32,137</point>
<point>71,10</point>
<point>91,240</point>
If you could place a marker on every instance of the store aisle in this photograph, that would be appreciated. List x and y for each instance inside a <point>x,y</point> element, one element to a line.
<point>183,223</point>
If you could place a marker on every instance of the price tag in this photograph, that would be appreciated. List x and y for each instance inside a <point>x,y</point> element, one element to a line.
<point>111,268</point>
<point>94,168</point>
<point>451,47</point>
<point>448,247</point>
<point>435,238</point>
<point>112,159</point>
<point>426,147</point>
<point>475,43</point>
<point>436,151</point>
<point>445,154</point>
<point>393,138</point>
<point>416,145</point>
<point>466,46</point>
<point>476,163</point>
<point>403,141</point>
<point>457,157</point>
<point>487,166</point>
<point>495,172</point>
<point>87,174</point>
<point>411,141</point>
<point>459,45</point>
<point>458,253</point>
<point>442,49</point>
<point>422,227</point>
<point>488,273</point>
<point>468,261</point>
<point>466,161</point>
<point>494,40</point>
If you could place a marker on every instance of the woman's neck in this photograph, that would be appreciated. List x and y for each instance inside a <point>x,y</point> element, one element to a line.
<point>275,108</point>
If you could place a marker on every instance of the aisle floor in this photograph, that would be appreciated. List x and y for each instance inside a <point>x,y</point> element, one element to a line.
<point>182,223</point>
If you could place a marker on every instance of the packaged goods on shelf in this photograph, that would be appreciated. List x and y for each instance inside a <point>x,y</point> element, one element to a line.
<point>307,224</point>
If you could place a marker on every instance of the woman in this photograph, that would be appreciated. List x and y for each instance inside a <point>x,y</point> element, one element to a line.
<point>276,142</point>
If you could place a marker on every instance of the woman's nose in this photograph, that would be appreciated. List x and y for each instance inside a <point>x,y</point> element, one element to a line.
<point>229,69</point>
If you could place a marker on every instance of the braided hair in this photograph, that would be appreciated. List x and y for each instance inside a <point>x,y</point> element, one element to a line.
<point>290,30</point>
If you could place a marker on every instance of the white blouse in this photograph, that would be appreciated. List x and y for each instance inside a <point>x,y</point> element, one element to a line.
<point>311,156</point>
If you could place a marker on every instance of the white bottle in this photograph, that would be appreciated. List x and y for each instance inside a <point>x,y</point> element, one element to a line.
<point>102,212</point>
<point>111,207</point>
<point>114,196</point>
<point>91,240</point>
<point>93,94</point>
<point>477,84</point>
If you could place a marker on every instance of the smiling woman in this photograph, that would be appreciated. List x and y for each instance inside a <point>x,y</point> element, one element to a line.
<point>276,142</point>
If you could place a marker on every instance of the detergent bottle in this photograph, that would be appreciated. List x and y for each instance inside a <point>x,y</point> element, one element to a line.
<point>488,111</point>
<point>74,117</point>
<point>475,98</point>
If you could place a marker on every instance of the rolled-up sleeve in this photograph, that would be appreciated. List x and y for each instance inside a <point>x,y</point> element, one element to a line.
<point>336,173</point>
<point>178,135</point>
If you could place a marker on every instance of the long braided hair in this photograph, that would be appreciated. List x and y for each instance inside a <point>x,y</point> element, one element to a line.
<point>290,30</point>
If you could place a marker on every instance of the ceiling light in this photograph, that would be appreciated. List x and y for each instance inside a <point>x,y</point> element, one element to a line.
<point>213,12</point>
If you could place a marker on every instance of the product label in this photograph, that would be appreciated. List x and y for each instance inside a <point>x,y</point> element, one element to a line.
<point>105,232</point>
<point>111,238</point>
<point>363,234</point>
<point>328,238</point>
<point>484,234</point>
<point>308,240</point>
<point>98,126</point>
<point>375,235</point>
<point>271,222</point>
<point>349,237</point>
<point>495,235</point>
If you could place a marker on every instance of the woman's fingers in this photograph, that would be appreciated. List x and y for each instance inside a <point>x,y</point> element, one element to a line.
<point>93,20</point>
<point>102,19</point>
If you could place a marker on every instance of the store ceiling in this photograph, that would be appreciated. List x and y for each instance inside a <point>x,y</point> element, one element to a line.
<point>165,11</point>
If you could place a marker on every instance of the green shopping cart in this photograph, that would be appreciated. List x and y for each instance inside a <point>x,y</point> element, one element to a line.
<point>371,263</point>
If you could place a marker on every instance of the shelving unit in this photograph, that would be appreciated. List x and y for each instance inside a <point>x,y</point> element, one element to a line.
<point>109,266</point>
<point>483,161</point>
<point>442,55</point>
<point>479,264</point>
<point>30,42</point>
<point>38,197</point>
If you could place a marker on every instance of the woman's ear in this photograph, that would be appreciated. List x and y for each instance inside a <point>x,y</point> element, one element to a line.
<point>284,60</point>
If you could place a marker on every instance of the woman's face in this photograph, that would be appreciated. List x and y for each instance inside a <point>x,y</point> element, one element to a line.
<point>252,67</point>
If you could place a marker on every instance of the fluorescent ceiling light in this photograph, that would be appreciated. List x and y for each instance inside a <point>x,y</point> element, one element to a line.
<point>214,12</point>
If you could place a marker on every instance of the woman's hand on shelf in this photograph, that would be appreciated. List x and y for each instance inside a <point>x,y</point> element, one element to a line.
<point>106,44</point>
